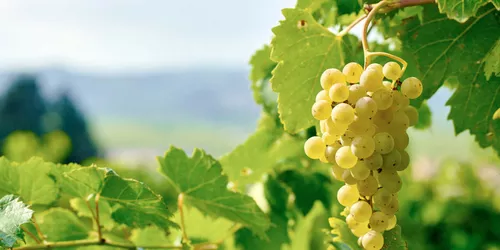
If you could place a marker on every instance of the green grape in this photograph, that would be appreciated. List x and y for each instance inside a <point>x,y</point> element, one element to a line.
<point>338,92</point>
<point>391,208</point>
<point>392,70</point>
<point>321,110</point>
<point>360,230</point>
<point>356,91</point>
<point>330,152</point>
<point>328,138</point>
<point>390,180</point>
<point>337,172</point>
<point>412,114</point>
<point>352,72</point>
<point>343,113</point>
<point>314,147</point>
<point>370,131</point>
<point>371,79</point>
<point>400,122</point>
<point>323,159</point>
<point>376,67</point>
<point>360,125</point>
<point>392,160</point>
<point>335,128</point>
<point>366,107</point>
<point>391,222</point>
<point>405,161</point>
<point>384,143</point>
<point>352,223</point>
<point>347,137</point>
<point>361,211</point>
<point>374,162</point>
<point>360,171</point>
<point>399,101</point>
<point>383,98</point>
<point>373,240</point>
<point>330,77</point>
<point>348,179</point>
<point>368,186</point>
<point>383,118</point>
<point>379,221</point>
<point>345,158</point>
<point>382,197</point>
<point>323,95</point>
<point>411,87</point>
<point>363,146</point>
<point>401,139</point>
<point>387,85</point>
<point>347,195</point>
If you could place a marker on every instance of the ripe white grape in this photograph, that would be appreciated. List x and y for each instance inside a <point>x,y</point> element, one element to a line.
<point>387,85</point>
<point>347,137</point>
<point>374,162</point>
<point>345,158</point>
<point>383,98</point>
<point>330,152</point>
<point>412,87</point>
<point>401,139</point>
<point>399,101</point>
<point>412,114</point>
<point>343,113</point>
<point>321,110</point>
<point>390,180</point>
<point>352,72</point>
<point>371,79</point>
<point>383,118</point>
<point>347,195</point>
<point>382,197</point>
<point>391,222</point>
<point>379,222</point>
<point>360,230</point>
<point>391,208</point>
<point>323,159</point>
<point>352,223</point>
<point>356,91</point>
<point>373,241</point>
<point>400,122</point>
<point>360,126</point>
<point>330,77</point>
<point>335,128</point>
<point>337,172</point>
<point>322,125</point>
<point>338,92</point>
<point>363,146</point>
<point>392,160</point>
<point>328,138</point>
<point>377,67</point>
<point>348,179</point>
<point>314,147</point>
<point>405,161</point>
<point>323,95</point>
<point>392,70</point>
<point>366,107</point>
<point>370,131</point>
<point>384,143</point>
<point>360,171</point>
<point>361,211</point>
<point>368,186</point>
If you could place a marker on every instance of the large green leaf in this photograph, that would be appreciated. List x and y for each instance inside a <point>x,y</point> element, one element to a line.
<point>59,224</point>
<point>310,5</point>
<point>492,62</point>
<point>13,213</point>
<point>30,180</point>
<point>393,240</point>
<point>149,237</point>
<point>303,49</point>
<point>202,184</point>
<point>86,209</point>
<point>306,228</point>
<point>462,10</point>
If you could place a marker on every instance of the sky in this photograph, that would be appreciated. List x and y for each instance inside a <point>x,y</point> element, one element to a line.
<point>121,35</point>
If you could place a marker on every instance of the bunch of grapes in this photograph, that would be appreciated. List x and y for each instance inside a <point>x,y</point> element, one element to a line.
<point>364,115</point>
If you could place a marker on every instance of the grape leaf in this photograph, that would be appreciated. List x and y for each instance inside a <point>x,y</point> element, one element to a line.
<point>492,62</point>
<point>310,5</point>
<point>262,66</point>
<point>203,186</point>
<point>276,194</point>
<point>105,210</point>
<point>303,49</point>
<point>13,213</point>
<point>444,48</point>
<point>342,234</point>
<point>462,10</point>
<point>149,237</point>
<point>305,229</point>
<point>348,6</point>
<point>83,181</point>
<point>59,224</point>
<point>30,180</point>
<point>277,235</point>
<point>393,240</point>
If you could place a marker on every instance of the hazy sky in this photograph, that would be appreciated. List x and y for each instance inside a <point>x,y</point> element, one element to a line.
<point>110,35</point>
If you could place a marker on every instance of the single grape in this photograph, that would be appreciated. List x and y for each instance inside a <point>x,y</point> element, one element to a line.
<point>348,179</point>
<point>390,180</point>
<point>400,122</point>
<point>405,161</point>
<point>391,208</point>
<point>392,222</point>
<point>322,125</point>
<point>335,128</point>
<point>363,146</point>
<point>360,230</point>
<point>371,79</point>
<point>337,172</point>
<point>352,223</point>
<point>383,118</point>
<point>374,162</point>
<point>328,138</point>
<point>360,241</point>
<point>411,87</point>
<point>366,107</point>
<point>338,92</point>
<point>377,67</point>
<point>356,91</point>
<point>343,113</point>
<point>401,139</point>
<point>382,197</point>
<point>368,186</point>
<point>370,131</point>
<point>399,101</point>
<point>352,72</point>
<point>330,77</point>
<point>330,152</point>
<point>384,143</point>
<point>383,98</point>
<point>361,211</point>
<point>323,95</point>
<point>347,137</point>
<point>379,222</point>
<point>321,110</point>
<point>345,158</point>
<point>387,85</point>
<point>314,147</point>
<point>373,240</point>
<point>347,195</point>
<point>392,160</point>
<point>360,171</point>
<point>392,70</point>
<point>360,125</point>
<point>323,159</point>
<point>412,114</point>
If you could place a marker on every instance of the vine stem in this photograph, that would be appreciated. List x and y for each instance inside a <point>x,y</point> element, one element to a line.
<point>364,38</point>
<point>37,228</point>
<point>348,28</point>
<point>77,243</point>
<point>31,235</point>
<point>180,206</point>
<point>97,220</point>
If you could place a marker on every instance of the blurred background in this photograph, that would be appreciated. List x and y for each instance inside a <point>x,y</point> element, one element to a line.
<point>119,81</point>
